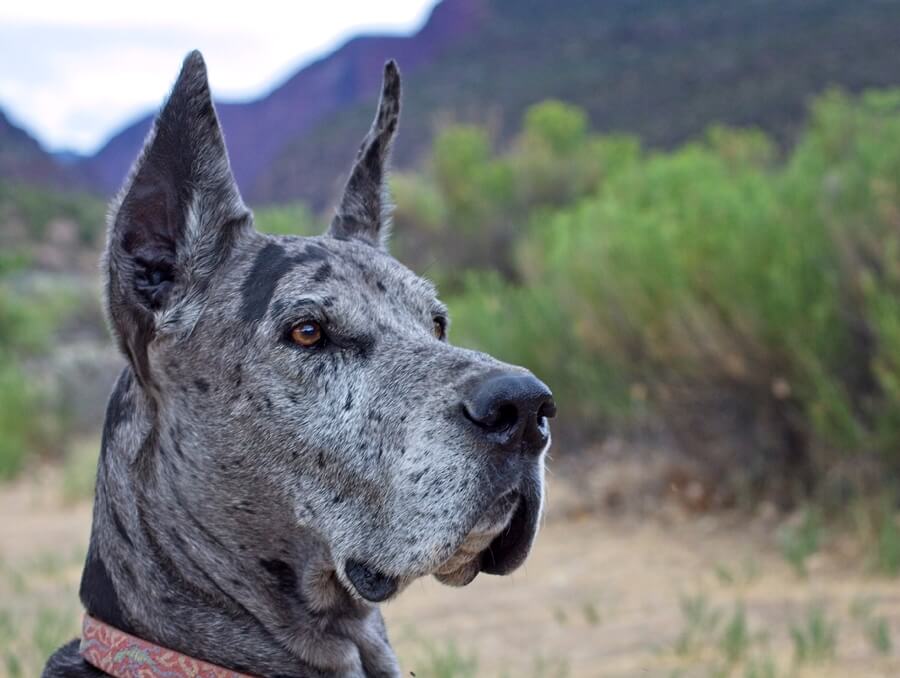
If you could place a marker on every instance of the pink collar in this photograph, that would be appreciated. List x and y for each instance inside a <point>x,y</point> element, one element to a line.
<point>124,656</point>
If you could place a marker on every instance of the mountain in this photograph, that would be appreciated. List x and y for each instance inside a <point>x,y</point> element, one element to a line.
<point>661,69</point>
<point>258,131</point>
<point>22,159</point>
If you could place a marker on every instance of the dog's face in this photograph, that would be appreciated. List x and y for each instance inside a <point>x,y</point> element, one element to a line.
<point>315,373</point>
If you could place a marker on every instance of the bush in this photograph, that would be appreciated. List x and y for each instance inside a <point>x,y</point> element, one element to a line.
<point>293,219</point>
<point>36,207</point>
<point>470,206</point>
<point>17,405</point>
<point>27,323</point>
<point>751,305</point>
<point>529,326</point>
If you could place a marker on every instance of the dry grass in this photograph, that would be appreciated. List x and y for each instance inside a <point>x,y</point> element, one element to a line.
<point>664,596</point>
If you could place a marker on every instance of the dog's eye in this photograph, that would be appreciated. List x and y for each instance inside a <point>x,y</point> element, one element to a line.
<point>307,334</point>
<point>439,327</point>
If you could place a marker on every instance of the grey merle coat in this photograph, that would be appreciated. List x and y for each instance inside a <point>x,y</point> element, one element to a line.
<point>293,440</point>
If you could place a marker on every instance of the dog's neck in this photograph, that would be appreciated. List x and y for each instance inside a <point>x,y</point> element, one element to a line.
<point>247,590</point>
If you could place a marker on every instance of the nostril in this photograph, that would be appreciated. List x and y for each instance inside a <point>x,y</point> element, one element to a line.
<point>547,409</point>
<point>496,418</point>
<point>506,417</point>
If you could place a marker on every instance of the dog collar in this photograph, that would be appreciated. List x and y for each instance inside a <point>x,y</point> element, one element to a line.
<point>124,656</point>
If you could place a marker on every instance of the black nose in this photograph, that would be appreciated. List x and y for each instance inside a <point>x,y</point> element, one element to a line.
<point>512,409</point>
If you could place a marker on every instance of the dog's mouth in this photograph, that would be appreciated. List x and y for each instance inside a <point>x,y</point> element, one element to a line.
<point>497,544</point>
<point>371,584</point>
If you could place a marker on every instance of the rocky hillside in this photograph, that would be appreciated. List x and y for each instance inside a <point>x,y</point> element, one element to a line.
<point>662,70</point>
<point>23,160</point>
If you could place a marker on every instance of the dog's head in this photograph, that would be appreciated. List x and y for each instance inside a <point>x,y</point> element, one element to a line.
<point>311,378</point>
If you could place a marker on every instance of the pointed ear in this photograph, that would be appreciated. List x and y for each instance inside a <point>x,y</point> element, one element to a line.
<point>364,211</point>
<point>175,219</point>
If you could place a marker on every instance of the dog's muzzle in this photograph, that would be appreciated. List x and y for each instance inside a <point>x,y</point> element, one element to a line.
<point>510,411</point>
<point>465,564</point>
<point>498,544</point>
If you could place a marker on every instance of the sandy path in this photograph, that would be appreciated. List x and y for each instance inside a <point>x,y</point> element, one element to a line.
<point>598,597</point>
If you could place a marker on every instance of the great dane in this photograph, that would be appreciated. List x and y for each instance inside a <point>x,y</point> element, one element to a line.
<point>293,440</point>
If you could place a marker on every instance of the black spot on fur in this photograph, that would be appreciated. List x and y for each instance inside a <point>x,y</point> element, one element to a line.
<point>279,306</point>
<point>283,573</point>
<point>98,595</point>
<point>322,273</point>
<point>348,404</point>
<point>270,265</point>
<point>365,344</point>
<point>201,385</point>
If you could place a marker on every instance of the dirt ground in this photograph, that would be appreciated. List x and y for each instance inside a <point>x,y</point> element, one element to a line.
<point>667,595</point>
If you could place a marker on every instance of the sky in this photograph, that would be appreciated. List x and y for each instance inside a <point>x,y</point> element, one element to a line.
<point>71,73</point>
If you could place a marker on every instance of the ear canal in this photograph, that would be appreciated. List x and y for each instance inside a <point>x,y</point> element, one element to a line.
<point>364,210</point>
<point>176,216</point>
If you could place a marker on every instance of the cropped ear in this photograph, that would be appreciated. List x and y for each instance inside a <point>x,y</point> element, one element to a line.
<point>364,211</point>
<point>175,218</point>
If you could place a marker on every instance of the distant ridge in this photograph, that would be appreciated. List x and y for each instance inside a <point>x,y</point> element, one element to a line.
<point>257,131</point>
<point>23,159</point>
<point>659,69</point>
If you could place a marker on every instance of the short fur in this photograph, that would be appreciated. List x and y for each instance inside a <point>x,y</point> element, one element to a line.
<point>251,493</point>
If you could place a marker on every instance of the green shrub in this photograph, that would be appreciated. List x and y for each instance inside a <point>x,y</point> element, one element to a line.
<point>294,219</point>
<point>529,326</point>
<point>28,318</point>
<point>35,207</point>
<point>815,637</point>
<point>751,305</point>
<point>800,541</point>
<point>17,404</point>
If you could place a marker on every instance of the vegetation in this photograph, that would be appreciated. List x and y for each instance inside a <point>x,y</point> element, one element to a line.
<point>27,211</point>
<point>27,319</point>
<point>31,311</point>
<point>814,637</point>
<point>745,298</point>
<point>660,70</point>
<point>749,301</point>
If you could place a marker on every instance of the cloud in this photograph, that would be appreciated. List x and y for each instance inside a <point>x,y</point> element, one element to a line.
<point>74,72</point>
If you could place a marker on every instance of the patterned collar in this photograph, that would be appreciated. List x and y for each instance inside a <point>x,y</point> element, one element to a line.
<point>124,656</point>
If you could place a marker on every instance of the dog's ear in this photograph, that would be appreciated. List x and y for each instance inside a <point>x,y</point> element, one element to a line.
<point>364,210</point>
<point>175,219</point>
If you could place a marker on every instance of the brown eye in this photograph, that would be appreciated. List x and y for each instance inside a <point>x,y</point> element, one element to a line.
<point>307,334</point>
<point>439,328</point>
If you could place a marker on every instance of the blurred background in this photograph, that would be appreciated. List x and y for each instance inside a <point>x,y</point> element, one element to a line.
<point>683,215</point>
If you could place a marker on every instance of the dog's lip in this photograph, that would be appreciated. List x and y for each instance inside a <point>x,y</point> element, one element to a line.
<point>371,584</point>
<point>509,549</point>
<point>464,564</point>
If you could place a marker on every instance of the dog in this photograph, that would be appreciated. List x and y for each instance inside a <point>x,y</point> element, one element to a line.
<point>293,440</point>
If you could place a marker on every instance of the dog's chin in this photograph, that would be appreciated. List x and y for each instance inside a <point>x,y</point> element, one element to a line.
<point>499,542</point>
